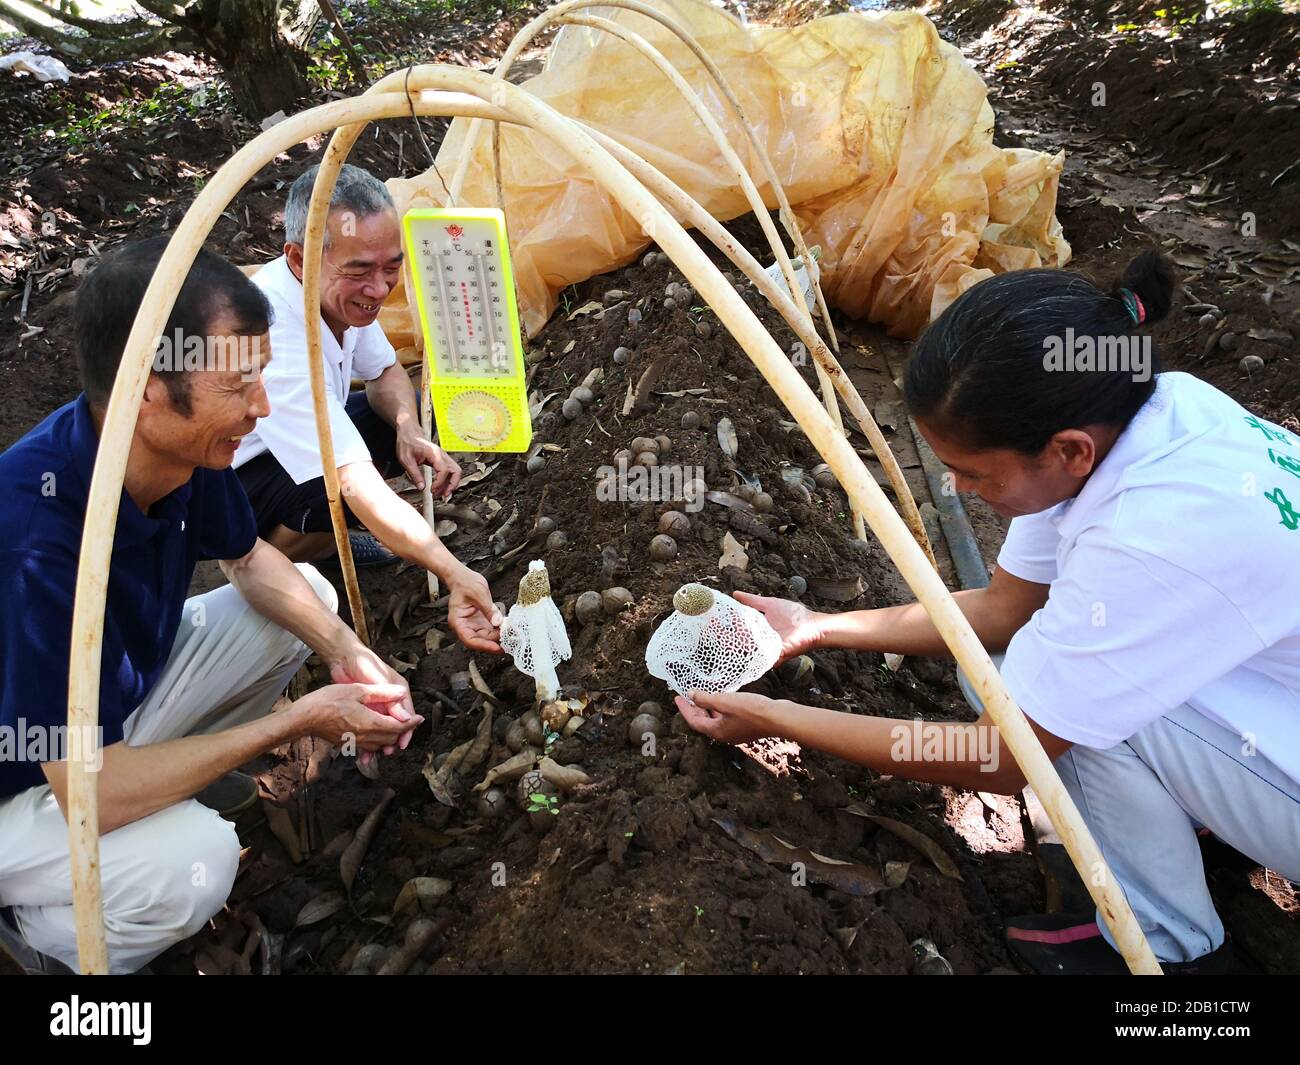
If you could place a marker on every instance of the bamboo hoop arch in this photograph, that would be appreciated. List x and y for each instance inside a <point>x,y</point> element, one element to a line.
<point>110,467</point>
<point>526,35</point>
<point>518,106</point>
<point>562,13</point>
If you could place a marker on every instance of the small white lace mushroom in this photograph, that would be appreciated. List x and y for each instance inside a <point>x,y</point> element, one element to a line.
<point>711,643</point>
<point>533,633</point>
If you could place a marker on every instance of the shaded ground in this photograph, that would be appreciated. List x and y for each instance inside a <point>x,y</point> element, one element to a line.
<point>636,873</point>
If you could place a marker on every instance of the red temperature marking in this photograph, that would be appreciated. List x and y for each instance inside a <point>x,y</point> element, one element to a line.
<point>469,322</point>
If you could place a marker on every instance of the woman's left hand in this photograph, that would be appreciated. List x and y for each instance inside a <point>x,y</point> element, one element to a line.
<point>732,717</point>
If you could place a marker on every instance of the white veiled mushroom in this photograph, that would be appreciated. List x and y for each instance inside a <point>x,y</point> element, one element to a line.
<point>711,643</point>
<point>533,633</point>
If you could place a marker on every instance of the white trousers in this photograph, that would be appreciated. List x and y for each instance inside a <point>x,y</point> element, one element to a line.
<point>165,875</point>
<point>1144,801</point>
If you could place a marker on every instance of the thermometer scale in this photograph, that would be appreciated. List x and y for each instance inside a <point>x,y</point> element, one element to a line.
<point>465,290</point>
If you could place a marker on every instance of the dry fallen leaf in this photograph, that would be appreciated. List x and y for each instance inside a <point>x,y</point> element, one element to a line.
<point>733,554</point>
<point>896,873</point>
<point>849,877</point>
<point>350,862</point>
<point>512,768</point>
<point>283,828</point>
<point>319,908</point>
<point>564,777</point>
<point>726,499</point>
<point>421,893</point>
<point>837,590</point>
<point>941,859</point>
<point>480,685</point>
<point>462,760</point>
<point>590,307</point>
<point>727,437</point>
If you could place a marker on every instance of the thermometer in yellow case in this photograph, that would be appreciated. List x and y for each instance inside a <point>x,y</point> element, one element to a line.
<point>465,290</point>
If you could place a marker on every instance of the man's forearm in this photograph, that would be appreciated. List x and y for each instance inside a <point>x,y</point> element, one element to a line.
<point>272,586</point>
<point>135,782</point>
<point>391,396</point>
<point>398,525</point>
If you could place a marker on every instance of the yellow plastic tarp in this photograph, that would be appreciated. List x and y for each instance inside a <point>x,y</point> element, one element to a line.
<point>879,130</point>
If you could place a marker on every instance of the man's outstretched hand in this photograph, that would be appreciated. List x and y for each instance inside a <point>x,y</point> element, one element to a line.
<point>472,614</point>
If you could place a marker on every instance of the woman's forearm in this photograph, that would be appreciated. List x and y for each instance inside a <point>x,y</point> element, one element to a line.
<point>996,613</point>
<point>906,629</point>
<point>947,752</point>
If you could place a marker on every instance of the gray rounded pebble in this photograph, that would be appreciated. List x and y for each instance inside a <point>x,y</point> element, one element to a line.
<point>589,609</point>
<point>663,548</point>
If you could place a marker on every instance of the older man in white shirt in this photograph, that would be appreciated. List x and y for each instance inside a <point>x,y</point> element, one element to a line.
<point>377,433</point>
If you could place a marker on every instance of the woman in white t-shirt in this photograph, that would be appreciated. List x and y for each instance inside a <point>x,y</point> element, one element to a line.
<point>1147,599</point>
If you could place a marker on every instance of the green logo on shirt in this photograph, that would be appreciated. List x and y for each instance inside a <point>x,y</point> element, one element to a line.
<point>1287,509</point>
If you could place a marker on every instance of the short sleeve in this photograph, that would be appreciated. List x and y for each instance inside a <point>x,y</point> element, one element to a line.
<point>289,432</point>
<point>1111,651</point>
<point>373,353</point>
<point>1029,551</point>
<point>226,527</point>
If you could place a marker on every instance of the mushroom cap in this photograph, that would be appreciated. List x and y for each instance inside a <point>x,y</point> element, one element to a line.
<point>693,599</point>
<point>535,585</point>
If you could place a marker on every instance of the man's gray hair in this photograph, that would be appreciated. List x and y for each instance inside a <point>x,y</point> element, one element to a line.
<point>356,190</point>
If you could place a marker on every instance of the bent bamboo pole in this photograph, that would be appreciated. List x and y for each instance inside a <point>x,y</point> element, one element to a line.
<point>85,653</point>
<point>680,202</point>
<point>562,13</point>
<point>559,13</point>
<point>861,487</point>
<point>740,321</point>
<point>705,117</point>
<point>311,263</point>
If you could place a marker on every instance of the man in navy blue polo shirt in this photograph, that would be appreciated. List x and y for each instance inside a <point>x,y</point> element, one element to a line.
<point>185,684</point>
